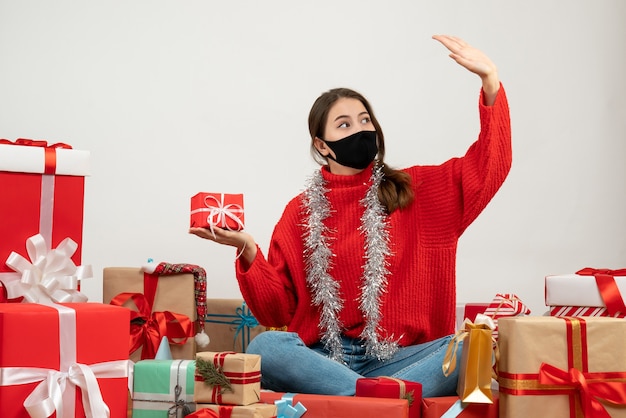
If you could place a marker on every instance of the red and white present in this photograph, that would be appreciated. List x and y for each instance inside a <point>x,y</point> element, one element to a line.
<point>70,358</point>
<point>42,193</point>
<point>390,387</point>
<point>588,292</point>
<point>505,305</point>
<point>222,210</point>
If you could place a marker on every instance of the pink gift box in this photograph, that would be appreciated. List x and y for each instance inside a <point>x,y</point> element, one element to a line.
<point>217,209</point>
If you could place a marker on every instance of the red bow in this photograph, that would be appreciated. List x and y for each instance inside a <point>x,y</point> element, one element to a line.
<point>148,328</point>
<point>608,288</point>
<point>590,387</point>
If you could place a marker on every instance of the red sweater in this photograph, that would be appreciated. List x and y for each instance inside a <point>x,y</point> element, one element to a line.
<point>419,304</point>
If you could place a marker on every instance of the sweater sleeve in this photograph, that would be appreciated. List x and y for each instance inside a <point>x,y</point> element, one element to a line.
<point>487,162</point>
<point>267,286</point>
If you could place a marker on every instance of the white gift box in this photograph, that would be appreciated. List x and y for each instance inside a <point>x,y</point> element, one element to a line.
<point>577,290</point>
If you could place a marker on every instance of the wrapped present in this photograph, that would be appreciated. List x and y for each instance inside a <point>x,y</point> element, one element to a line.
<point>69,358</point>
<point>163,388</point>
<point>390,387</point>
<point>584,311</point>
<point>505,305</point>
<point>227,378</point>
<point>562,367</point>
<point>230,325</point>
<point>589,287</point>
<point>468,311</point>
<point>217,209</point>
<point>47,276</point>
<point>477,360</point>
<point>451,407</point>
<point>255,410</point>
<point>42,193</point>
<point>318,406</point>
<point>166,299</point>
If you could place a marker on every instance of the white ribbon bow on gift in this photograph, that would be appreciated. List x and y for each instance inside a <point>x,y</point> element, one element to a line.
<point>219,212</point>
<point>49,276</point>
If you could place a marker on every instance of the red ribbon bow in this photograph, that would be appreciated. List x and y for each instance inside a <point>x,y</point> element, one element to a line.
<point>148,328</point>
<point>609,291</point>
<point>590,387</point>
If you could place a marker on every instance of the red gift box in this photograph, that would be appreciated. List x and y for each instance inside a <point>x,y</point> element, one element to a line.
<point>323,406</point>
<point>388,387</point>
<point>217,209</point>
<point>70,350</point>
<point>437,407</point>
<point>42,193</point>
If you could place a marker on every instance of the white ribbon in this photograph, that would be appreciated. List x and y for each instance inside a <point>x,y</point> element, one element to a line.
<point>57,388</point>
<point>219,213</point>
<point>49,276</point>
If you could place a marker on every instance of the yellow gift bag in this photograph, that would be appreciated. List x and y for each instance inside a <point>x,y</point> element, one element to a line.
<point>477,359</point>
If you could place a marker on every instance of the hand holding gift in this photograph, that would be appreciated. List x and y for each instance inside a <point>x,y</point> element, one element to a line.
<point>220,218</point>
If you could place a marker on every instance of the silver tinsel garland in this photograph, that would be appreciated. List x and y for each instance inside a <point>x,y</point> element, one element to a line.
<point>318,256</point>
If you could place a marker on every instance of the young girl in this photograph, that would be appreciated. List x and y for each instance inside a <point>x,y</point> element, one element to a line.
<point>361,265</point>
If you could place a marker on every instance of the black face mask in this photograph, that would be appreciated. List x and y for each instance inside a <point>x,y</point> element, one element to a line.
<point>356,151</point>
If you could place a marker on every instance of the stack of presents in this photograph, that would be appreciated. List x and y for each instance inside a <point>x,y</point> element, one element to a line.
<point>157,347</point>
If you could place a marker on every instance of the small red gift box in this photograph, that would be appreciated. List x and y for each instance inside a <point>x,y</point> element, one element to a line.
<point>322,406</point>
<point>437,407</point>
<point>217,209</point>
<point>42,193</point>
<point>388,387</point>
<point>70,350</point>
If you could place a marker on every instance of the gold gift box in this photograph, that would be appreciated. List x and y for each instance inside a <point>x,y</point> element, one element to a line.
<point>243,372</point>
<point>255,410</point>
<point>591,345</point>
<point>174,293</point>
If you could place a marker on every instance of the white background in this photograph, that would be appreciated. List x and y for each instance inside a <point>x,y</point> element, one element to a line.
<point>176,97</point>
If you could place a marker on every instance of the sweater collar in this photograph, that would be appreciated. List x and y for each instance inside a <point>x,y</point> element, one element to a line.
<point>341,181</point>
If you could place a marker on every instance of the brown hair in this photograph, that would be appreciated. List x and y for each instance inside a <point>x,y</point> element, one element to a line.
<point>395,190</point>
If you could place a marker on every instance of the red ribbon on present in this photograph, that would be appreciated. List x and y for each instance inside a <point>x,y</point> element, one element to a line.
<point>50,151</point>
<point>590,388</point>
<point>577,383</point>
<point>235,378</point>
<point>147,328</point>
<point>609,292</point>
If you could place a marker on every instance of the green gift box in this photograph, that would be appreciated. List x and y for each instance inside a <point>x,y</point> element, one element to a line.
<point>163,388</point>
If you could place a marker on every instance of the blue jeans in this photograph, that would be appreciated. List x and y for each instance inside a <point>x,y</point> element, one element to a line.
<point>288,365</point>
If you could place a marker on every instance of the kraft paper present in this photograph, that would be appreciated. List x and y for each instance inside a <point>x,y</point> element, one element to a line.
<point>163,388</point>
<point>230,379</point>
<point>389,387</point>
<point>452,406</point>
<point>174,293</point>
<point>86,340</point>
<point>255,410</point>
<point>42,193</point>
<point>222,210</point>
<point>230,325</point>
<point>544,361</point>
<point>589,287</point>
<point>477,359</point>
<point>322,406</point>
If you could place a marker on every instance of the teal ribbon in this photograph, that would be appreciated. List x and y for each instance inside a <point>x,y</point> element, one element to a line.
<point>454,410</point>
<point>286,409</point>
<point>243,322</point>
